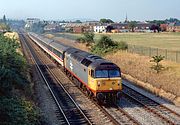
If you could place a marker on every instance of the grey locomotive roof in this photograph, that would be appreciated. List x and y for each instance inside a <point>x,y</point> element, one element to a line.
<point>88,59</point>
<point>77,54</point>
<point>59,46</point>
<point>101,63</point>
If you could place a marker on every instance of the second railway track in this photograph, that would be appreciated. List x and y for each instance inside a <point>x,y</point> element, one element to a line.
<point>167,115</point>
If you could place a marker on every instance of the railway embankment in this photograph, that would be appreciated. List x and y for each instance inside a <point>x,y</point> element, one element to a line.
<point>16,100</point>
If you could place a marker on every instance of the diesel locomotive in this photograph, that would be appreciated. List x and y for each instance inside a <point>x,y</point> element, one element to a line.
<point>99,77</point>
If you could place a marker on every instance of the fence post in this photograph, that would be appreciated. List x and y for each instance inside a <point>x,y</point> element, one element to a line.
<point>133,48</point>
<point>176,56</point>
<point>149,51</point>
<point>141,51</point>
<point>166,54</point>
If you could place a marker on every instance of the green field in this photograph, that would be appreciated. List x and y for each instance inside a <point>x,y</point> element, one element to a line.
<point>170,41</point>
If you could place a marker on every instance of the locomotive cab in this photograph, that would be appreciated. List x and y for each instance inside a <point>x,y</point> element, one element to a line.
<point>105,78</point>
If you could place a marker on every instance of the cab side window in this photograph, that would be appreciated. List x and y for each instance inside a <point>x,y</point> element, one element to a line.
<point>92,73</point>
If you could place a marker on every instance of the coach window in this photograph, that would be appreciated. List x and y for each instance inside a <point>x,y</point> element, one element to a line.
<point>61,56</point>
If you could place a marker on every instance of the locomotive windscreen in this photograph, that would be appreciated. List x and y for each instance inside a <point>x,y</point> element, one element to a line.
<point>107,73</point>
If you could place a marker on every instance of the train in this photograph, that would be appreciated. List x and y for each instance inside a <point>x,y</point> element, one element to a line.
<point>98,77</point>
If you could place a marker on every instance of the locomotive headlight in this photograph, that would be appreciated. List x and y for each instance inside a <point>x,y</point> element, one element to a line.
<point>99,83</point>
<point>119,82</point>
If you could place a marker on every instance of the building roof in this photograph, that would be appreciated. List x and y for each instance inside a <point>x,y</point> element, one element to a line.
<point>177,24</point>
<point>51,26</point>
<point>171,24</point>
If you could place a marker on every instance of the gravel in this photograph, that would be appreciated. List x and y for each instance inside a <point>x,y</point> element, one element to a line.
<point>139,113</point>
<point>45,102</point>
<point>153,97</point>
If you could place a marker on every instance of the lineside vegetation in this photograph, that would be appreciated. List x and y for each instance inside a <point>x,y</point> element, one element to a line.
<point>102,46</point>
<point>15,109</point>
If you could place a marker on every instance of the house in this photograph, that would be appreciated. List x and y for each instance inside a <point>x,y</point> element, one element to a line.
<point>114,31</point>
<point>100,28</point>
<point>31,21</point>
<point>79,29</point>
<point>52,28</point>
<point>163,27</point>
<point>177,27</point>
<point>119,27</point>
<point>124,27</point>
<point>173,27</point>
<point>143,27</point>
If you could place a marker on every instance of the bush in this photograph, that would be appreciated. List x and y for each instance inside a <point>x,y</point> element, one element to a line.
<point>13,76</point>
<point>14,111</point>
<point>13,66</point>
<point>157,59</point>
<point>87,38</point>
<point>106,44</point>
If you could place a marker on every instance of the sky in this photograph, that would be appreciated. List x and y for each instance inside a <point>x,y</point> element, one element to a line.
<point>90,9</point>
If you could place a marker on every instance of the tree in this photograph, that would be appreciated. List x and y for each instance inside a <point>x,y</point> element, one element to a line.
<point>38,27</point>
<point>109,28</point>
<point>106,21</point>
<point>172,20</point>
<point>4,19</point>
<point>105,42</point>
<point>157,59</point>
<point>132,25</point>
<point>78,21</point>
<point>87,38</point>
<point>155,28</point>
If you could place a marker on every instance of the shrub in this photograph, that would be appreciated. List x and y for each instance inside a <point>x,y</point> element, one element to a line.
<point>87,38</point>
<point>157,59</point>
<point>14,111</point>
<point>12,65</point>
<point>106,44</point>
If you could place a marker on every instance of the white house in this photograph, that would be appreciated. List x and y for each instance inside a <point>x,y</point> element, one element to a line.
<point>31,21</point>
<point>100,28</point>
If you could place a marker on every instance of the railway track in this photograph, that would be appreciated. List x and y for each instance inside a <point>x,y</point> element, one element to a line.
<point>114,114</point>
<point>69,112</point>
<point>166,114</point>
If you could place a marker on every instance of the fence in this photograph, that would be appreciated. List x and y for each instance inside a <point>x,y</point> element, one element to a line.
<point>148,51</point>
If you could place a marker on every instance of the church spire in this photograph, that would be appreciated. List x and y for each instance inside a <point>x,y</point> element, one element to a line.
<point>126,20</point>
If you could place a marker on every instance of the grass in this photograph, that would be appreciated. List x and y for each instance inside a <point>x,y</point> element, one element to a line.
<point>139,67</point>
<point>167,40</point>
